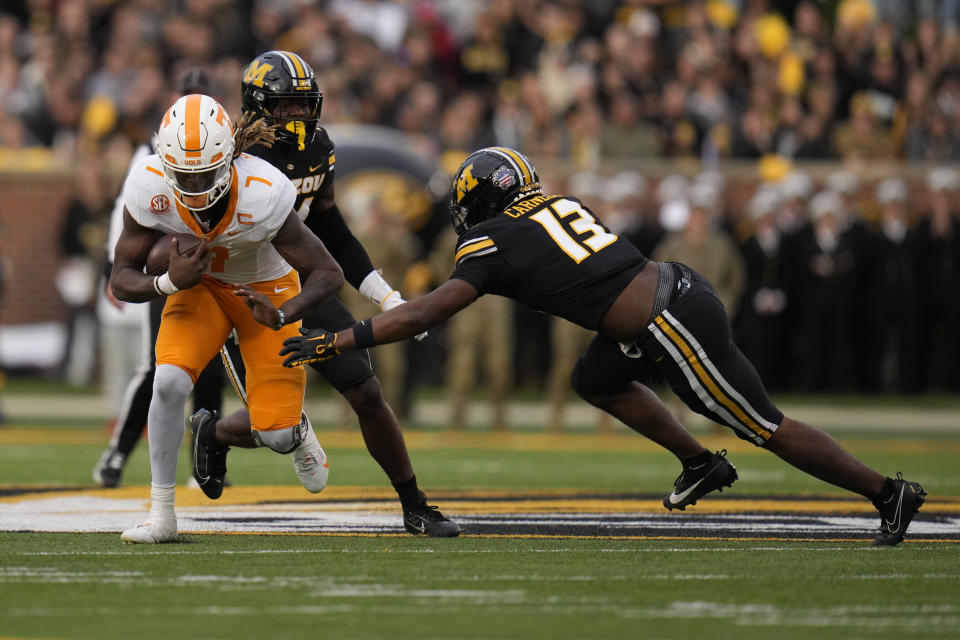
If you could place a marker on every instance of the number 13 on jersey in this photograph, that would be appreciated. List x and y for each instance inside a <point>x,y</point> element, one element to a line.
<point>588,236</point>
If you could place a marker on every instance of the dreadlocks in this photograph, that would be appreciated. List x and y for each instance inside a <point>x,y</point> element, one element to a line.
<point>252,130</point>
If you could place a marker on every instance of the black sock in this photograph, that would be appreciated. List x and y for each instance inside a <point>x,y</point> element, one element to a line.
<point>208,436</point>
<point>408,491</point>
<point>697,460</point>
<point>887,492</point>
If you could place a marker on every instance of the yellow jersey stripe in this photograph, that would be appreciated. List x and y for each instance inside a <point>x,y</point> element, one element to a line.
<point>471,248</point>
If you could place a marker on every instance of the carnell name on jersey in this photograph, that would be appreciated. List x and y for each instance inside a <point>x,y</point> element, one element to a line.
<point>551,254</point>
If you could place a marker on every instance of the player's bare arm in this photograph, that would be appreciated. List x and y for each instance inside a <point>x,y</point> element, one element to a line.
<point>400,323</point>
<point>127,280</point>
<point>307,254</point>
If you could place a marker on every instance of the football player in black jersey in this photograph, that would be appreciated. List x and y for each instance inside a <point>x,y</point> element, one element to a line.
<point>551,254</point>
<point>281,87</point>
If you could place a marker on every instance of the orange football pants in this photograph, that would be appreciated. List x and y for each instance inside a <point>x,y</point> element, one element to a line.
<point>197,321</point>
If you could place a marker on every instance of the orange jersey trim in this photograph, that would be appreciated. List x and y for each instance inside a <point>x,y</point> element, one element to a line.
<point>225,221</point>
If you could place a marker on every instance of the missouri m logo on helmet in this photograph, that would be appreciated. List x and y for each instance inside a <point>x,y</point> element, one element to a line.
<point>489,181</point>
<point>195,145</point>
<point>281,87</point>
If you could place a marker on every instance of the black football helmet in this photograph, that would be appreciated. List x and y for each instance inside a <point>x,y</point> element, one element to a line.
<point>489,181</point>
<point>276,76</point>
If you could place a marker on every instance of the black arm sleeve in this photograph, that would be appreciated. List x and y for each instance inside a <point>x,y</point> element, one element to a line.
<point>333,231</point>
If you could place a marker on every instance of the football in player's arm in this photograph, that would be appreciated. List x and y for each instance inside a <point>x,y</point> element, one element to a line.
<point>551,254</point>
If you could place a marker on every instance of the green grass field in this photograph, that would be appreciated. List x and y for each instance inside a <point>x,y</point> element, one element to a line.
<point>233,587</point>
<point>206,586</point>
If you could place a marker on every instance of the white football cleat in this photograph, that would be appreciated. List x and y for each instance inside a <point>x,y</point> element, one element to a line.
<point>153,531</point>
<point>310,463</point>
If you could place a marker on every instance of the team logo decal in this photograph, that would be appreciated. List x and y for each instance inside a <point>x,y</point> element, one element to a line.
<point>160,205</point>
<point>503,178</point>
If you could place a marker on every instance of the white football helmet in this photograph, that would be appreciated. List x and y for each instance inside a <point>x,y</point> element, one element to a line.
<point>195,144</point>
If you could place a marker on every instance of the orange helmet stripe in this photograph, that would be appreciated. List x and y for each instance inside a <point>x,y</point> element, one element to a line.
<point>191,122</point>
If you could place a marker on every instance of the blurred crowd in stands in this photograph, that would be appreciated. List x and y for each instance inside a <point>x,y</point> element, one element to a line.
<point>834,282</point>
<point>571,78</point>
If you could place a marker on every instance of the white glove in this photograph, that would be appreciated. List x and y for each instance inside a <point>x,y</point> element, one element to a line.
<point>394,299</point>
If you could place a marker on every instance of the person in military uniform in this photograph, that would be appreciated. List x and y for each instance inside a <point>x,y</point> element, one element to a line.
<point>763,335</point>
<point>825,270</point>
<point>551,254</point>
<point>895,289</point>
<point>483,333</point>
<point>281,87</point>
<point>936,245</point>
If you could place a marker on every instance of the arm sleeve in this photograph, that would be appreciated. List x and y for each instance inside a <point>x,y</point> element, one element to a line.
<point>332,229</point>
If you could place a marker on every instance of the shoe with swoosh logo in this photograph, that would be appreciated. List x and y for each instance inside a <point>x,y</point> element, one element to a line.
<point>209,465</point>
<point>897,510</point>
<point>694,483</point>
<point>422,519</point>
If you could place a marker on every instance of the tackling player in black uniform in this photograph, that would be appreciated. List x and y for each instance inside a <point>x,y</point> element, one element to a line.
<point>281,87</point>
<point>550,253</point>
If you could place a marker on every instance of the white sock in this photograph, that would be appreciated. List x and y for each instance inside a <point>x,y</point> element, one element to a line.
<point>161,502</point>
<point>171,386</point>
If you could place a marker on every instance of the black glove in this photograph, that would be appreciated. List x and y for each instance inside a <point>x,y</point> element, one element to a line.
<point>313,345</point>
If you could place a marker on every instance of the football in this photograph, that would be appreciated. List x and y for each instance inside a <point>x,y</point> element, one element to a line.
<point>159,257</point>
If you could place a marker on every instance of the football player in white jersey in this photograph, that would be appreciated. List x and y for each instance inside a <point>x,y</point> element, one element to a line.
<point>241,208</point>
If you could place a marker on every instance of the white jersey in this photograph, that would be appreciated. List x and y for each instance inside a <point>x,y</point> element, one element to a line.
<point>260,200</point>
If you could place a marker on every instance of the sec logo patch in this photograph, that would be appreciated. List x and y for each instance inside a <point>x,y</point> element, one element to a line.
<point>160,205</point>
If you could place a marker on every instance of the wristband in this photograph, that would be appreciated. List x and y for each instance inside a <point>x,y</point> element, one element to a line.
<point>363,334</point>
<point>164,286</point>
<point>281,320</point>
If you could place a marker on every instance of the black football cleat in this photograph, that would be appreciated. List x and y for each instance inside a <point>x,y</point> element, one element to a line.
<point>897,510</point>
<point>109,468</point>
<point>209,465</point>
<point>422,519</point>
<point>692,484</point>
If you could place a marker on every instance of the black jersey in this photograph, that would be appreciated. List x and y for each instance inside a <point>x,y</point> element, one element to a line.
<point>311,172</point>
<point>308,170</point>
<point>551,254</point>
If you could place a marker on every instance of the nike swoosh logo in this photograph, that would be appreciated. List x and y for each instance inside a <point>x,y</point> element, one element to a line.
<point>196,447</point>
<point>280,289</point>
<point>312,169</point>
<point>680,496</point>
<point>422,527</point>
<point>895,523</point>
